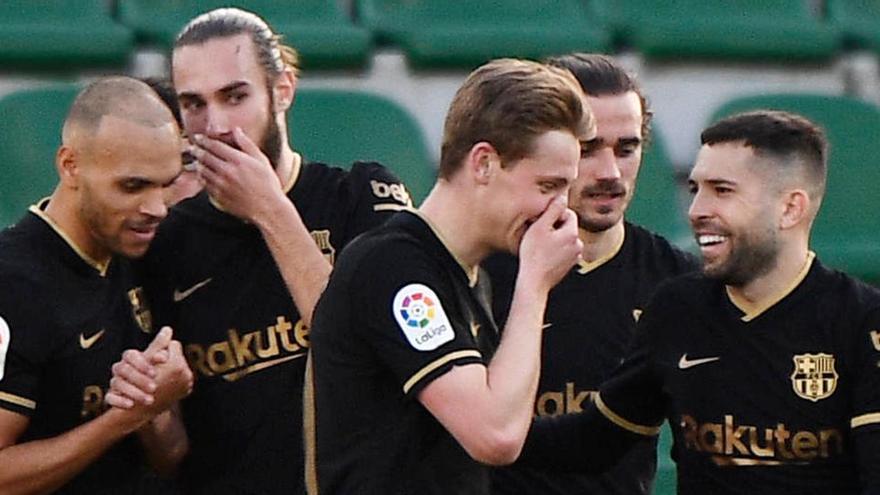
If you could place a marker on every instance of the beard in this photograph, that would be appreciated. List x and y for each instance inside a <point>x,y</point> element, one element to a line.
<point>602,218</point>
<point>270,145</point>
<point>750,257</point>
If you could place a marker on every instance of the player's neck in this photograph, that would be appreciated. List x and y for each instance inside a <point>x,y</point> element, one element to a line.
<point>790,265</point>
<point>63,211</point>
<point>454,221</point>
<point>601,245</point>
<point>285,164</point>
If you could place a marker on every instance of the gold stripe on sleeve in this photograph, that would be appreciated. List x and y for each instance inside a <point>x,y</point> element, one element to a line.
<point>648,431</point>
<point>864,419</point>
<point>452,356</point>
<point>18,401</point>
<point>391,207</point>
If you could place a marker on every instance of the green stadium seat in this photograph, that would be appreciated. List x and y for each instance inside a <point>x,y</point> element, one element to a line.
<point>666,482</point>
<point>30,133</point>
<point>60,35</point>
<point>339,127</point>
<point>728,29</point>
<point>467,33</point>
<point>318,29</point>
<point>858,22</point>
<point>335,127</point>
<point>656,203</point>
<point>846,234</point>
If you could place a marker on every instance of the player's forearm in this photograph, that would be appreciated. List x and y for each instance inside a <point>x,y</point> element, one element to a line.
<point>304,269</point>
<point>515,369</point>
<point>42,466</point>
<point>165,441</point>
<point>584,442</point>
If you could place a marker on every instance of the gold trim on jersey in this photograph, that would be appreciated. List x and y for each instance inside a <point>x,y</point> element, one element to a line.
<point>752,311</point>
<point>438,363</point>
<point>309,435</point>
<point>37,210</point>
<point>18,401</point>
<point>648,431</point>
<point>286,187</point>
<point>294,172</point>
<point>391,207</point>
<point>473,272</point>
<point>864,419</point>
<point>585,267</point>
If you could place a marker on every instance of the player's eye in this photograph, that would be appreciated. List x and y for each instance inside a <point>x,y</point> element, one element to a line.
<point>589,148</point>
<point>236,98</point>
<point>626,150</point>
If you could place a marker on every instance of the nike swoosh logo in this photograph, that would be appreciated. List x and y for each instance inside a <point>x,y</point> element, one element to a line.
<point>234,376</point>
<point>85,343</point>
<point>685,363</point>
<point>180,295</point>
<point>545,326</point>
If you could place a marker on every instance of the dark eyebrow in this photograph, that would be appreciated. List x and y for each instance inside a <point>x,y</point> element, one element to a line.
<point>629,140</point>
<point>233,86</point>
<point>714,182</point>
<point>189,95</point>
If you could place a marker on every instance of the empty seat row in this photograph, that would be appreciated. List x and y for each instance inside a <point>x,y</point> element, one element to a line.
<point>339,127</point>
<point>439,33</point>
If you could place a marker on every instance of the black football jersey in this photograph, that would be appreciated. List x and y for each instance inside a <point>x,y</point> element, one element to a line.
<point>399,312</point>
<point>768,402</point>
<point>64,321</point>
<point>590,319</point>
<point>214,280</point>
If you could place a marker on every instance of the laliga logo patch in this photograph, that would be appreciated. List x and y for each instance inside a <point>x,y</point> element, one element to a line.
<point>418,311</point>
<point>4,345</point>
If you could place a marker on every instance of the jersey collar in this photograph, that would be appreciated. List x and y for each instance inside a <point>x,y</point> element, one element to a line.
<point>37,210</point>
<point>584,267</point>
<point>472,273</point>
<point>752,311</point>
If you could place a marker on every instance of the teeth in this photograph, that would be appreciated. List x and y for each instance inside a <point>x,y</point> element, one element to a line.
<point>708,240</point>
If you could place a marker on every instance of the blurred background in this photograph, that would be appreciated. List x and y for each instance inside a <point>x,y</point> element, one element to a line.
<point>378,75</point>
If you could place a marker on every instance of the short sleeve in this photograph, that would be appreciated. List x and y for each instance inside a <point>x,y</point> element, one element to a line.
<point>23,353</point>
<point>414,320</point>
<point>633,398</point>
<point>378,195</point>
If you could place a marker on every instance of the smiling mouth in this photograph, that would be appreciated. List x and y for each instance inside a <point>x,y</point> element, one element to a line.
<point>706,240</point>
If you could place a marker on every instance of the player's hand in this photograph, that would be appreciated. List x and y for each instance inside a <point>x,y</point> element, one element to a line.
<point>241,180</point>
<point>134,376</point>
<point>550,246</point>
<point>174,379</point>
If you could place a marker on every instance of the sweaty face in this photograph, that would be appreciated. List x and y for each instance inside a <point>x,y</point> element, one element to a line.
<point>733,214</point>
<point>609,163</point>
<point>221,85</point>
<point>523,189</point>
<point>123,177</point>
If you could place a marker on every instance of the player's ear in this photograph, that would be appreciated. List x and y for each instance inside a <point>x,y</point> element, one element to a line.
<point>482,161</point>
<point>795,208</point>
<point>67,165</point>
<point>284,90</point>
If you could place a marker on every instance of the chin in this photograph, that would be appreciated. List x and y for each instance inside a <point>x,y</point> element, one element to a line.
<point>596,225</point>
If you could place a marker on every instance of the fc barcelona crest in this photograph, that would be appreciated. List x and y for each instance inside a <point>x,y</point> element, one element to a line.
<point>322,239</point>
<point>814,376</point>
<point>139,309</point>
